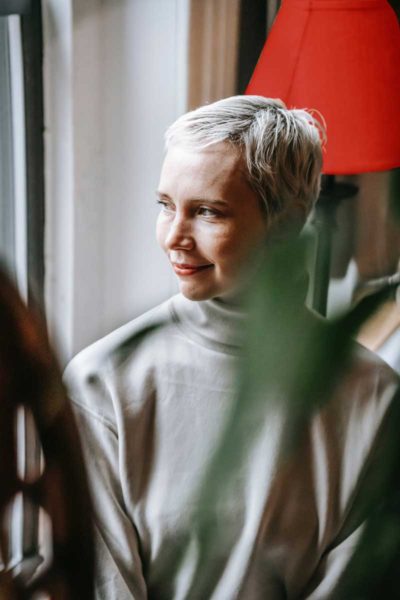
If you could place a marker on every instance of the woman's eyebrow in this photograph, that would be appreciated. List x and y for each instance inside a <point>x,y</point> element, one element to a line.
<point>162,195</point>
<point>196,199</point>
<point>212,201</point>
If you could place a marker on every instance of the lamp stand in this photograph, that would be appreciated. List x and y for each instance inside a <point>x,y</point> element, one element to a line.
<point>331,195</point>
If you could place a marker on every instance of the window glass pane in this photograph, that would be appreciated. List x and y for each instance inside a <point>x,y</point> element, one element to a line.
<point>23,522</point>
<point>13,223</point>
<point>7,238</point>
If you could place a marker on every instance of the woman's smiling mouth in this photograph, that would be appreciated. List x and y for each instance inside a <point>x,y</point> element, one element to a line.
<point>183,269</point>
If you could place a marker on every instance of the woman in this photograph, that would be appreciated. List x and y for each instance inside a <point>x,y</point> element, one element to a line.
<point>153,398</point>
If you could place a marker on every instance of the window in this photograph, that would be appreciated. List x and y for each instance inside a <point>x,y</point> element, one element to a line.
<point>21,145</point>
<point>22,216</point>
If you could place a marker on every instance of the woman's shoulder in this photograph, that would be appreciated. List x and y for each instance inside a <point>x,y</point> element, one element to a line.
<point>98,360</point>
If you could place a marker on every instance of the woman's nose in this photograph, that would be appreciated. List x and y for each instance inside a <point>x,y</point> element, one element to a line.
<point>179,234</point>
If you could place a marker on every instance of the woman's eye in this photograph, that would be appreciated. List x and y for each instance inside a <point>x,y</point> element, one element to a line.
<point>207,212</point>
<point>165,206</point>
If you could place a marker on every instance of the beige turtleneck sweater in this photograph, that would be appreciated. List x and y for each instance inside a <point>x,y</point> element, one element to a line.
<point>152,400</point>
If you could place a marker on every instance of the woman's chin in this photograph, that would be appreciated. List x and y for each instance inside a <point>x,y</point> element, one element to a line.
<point>196,292</point>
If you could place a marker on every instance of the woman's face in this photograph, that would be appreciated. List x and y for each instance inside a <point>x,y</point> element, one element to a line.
<point>210,219</point>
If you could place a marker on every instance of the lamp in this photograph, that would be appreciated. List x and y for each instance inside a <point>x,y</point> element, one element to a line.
<point>341,57</point>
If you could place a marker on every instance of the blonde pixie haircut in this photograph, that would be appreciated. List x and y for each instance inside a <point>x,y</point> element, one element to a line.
<point>281,148</point>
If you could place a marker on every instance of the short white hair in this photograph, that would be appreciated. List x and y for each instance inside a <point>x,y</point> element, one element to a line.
<point>281,148</point>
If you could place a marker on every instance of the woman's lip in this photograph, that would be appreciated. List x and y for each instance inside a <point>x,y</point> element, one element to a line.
<point>185,269</point>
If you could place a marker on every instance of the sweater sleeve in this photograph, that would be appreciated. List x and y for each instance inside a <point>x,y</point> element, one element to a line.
<point>118,574</point>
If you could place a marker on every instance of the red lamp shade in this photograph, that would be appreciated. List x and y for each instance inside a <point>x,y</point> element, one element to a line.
<point>341,57</point>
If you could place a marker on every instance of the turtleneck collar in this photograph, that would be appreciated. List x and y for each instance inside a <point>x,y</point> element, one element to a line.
<point>215,323</point>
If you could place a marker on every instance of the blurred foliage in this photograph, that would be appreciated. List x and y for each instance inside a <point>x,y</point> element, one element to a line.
<point>290,351</point>
<point>297,356</point>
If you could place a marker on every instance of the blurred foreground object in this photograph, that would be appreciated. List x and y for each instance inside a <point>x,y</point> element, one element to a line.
<point>305,358</point>
<point>341,58</point>
<point>30,381</point>
<point>334,410</point>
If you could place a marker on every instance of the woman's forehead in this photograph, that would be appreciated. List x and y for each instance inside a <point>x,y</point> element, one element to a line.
<point>212,175</point>
<point>219,165</point>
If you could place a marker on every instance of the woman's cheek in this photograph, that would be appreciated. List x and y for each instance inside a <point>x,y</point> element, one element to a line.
<point>161,230</point>
<point>213,236</point>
